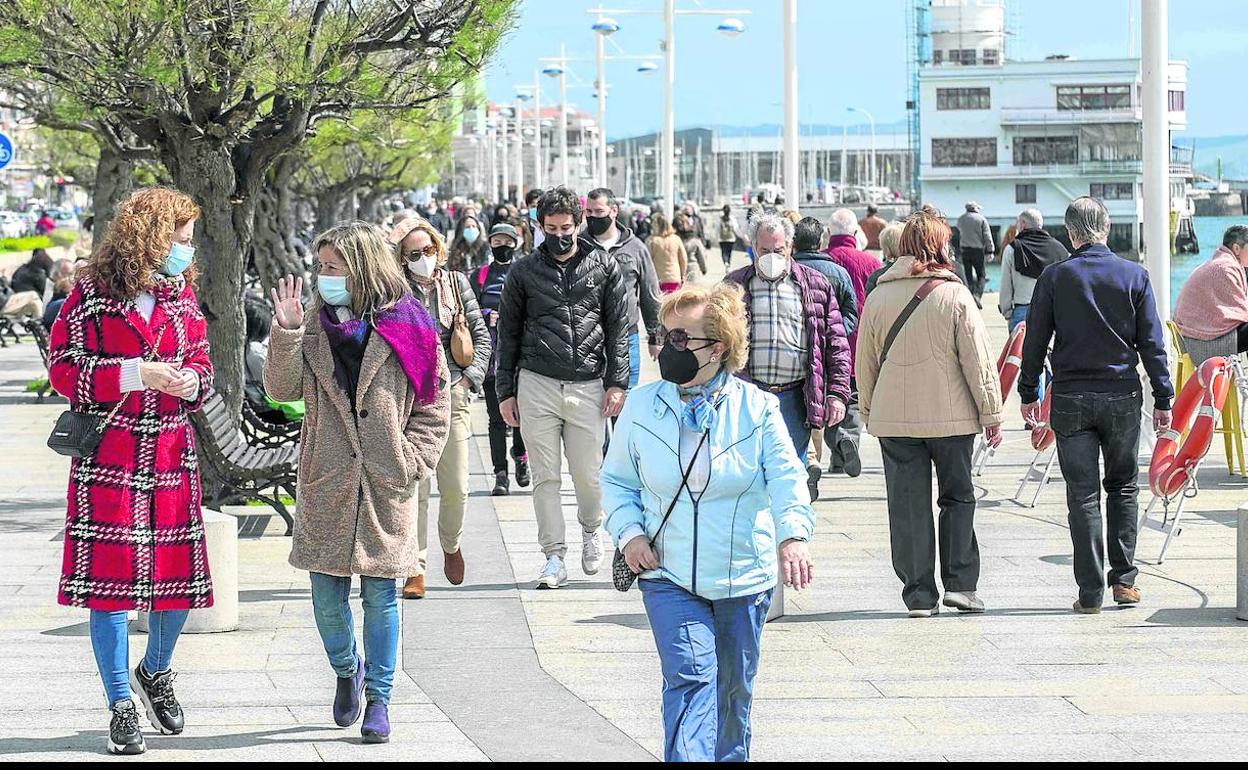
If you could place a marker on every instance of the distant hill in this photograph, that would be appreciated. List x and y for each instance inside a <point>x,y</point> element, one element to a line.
<point>1232,150</point>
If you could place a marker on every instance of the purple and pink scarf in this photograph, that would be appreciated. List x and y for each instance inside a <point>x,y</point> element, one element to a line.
<point>410,332</point>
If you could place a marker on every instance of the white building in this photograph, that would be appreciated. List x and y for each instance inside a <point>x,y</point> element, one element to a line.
<point>1012,135</point>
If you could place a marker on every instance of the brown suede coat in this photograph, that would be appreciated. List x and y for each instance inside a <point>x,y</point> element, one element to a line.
<point>358,473</point>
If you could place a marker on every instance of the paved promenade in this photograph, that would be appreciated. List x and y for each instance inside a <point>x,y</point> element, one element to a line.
<point>495,670</point>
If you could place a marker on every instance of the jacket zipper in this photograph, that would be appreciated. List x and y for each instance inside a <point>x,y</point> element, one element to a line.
<point>567,296</point>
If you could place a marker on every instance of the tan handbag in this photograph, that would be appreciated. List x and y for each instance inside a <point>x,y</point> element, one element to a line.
<point>461,337</point>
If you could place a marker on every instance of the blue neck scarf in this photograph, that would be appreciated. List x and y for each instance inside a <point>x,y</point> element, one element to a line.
<point>699,412</point>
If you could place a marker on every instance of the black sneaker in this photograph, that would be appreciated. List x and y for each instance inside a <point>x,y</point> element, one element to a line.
<point>156,693</point>
<point>522,472</point>
<point>124,735</point>
<point>813,474</point>
<point>502,484</point>
<point>851,461</point>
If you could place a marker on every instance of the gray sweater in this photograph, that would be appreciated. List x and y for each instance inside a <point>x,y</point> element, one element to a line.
<point>641,283</point>
<point>974,232</point>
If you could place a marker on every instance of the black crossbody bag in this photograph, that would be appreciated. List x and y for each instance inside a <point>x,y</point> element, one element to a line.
<point>621,574</point>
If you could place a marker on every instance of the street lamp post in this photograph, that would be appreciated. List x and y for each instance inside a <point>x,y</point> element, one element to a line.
<point>1155,65</point>
<point>792,180</point>
<point>503,150</point>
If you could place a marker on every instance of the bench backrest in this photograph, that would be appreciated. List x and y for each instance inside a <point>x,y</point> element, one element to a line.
<point>218,430</point>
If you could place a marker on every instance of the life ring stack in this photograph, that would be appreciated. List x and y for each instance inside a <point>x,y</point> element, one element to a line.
<point>1175,459</point>
<point>1011,360</point>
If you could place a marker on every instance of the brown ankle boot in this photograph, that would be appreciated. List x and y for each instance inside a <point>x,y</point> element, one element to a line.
<point>414,588</point>
<point>1126,595</point>
<point>453,566</point>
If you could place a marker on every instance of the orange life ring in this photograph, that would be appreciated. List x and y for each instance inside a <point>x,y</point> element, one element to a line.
<point>1010,361</point>
<point>1042,435</point>
<point>1173,463</point>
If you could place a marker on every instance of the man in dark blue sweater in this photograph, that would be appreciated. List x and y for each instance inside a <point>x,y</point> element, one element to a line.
<point>1101,310</point>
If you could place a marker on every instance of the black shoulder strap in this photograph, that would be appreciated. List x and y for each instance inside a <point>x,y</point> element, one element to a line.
<point>927,288</point>
<point>684,481</point>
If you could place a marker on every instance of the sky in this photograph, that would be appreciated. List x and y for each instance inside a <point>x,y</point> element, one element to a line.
<point>849,54</point>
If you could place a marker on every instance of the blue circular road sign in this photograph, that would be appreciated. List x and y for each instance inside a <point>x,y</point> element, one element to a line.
<point>6,150</point>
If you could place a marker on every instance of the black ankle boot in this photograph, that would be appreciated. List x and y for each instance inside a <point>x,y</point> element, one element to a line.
<point>522,471</point>
<point>502,484</point>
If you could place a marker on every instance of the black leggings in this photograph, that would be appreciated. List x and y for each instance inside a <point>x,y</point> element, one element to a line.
<point>498,431</point>
<point>725,250</point>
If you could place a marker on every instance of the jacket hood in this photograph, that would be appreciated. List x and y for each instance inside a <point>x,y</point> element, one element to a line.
<point>903,270</point>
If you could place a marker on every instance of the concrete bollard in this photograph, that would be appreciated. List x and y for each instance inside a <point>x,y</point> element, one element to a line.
<point>222,532</point>
<point>1241,565</point>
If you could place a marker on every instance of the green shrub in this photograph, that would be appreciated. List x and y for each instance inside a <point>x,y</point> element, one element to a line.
<point>29,243</point>
<point>64,238</point>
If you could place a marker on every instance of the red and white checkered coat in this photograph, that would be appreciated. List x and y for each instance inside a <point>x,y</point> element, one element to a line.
<point>134,538</point>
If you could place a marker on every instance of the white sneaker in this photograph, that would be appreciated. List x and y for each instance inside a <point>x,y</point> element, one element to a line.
<point>554,574</point>
<point>925,613</point>
<point>591,553</point>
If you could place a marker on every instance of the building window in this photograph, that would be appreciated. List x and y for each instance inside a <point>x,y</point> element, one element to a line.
<point>992,56</point>
<point>1045,150</point>
<point>938,57</point>
<point>963,99</point>
<point>1111,142</point>
<point>1178,101</point>
<point>1079,98</point>
<point>947,153</point>
<point>1024,193</point>
<point>1112,191</point>
<point>963,56</point>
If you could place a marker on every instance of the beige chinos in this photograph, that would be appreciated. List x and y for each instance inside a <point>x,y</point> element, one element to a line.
<point>452,473</point>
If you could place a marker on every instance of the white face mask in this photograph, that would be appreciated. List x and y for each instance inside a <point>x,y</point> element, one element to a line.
<point>421,268</point>
<point>772,266</point>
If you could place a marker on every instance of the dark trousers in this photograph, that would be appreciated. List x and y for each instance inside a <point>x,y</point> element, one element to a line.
<point>908,478</point>
<point>1090,426</point>
<point>976,277</point>
<point>725,251</point>
<point>850,428</point>
<point>499,430</point>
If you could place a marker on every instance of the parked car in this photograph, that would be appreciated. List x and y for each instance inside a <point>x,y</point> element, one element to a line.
<point>12,225</point>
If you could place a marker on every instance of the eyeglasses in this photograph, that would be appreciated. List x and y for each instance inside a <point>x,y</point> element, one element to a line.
<point>679,338</point>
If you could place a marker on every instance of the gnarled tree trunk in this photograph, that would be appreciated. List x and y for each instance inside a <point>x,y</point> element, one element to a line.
<point>114,179</point>
<point>273,254</point>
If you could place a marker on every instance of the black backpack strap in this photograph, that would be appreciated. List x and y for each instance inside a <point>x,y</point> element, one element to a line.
<point>927,288</point>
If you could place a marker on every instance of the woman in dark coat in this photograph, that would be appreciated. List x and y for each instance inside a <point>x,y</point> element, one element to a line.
<point>130,343</point>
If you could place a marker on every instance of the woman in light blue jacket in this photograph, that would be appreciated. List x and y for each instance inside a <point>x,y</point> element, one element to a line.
<point>718,448</point>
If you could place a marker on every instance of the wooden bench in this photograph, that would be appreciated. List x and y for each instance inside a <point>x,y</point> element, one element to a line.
<point>240,466</point>
<point>262,432</point>
<point>40,336</point>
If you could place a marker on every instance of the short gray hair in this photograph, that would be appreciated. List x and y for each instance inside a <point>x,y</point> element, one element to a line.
<point>1235,235</point>
<point>842,222</point>
<point>1087,219</point>
<point>771,223</point>
<point>1031,219</point>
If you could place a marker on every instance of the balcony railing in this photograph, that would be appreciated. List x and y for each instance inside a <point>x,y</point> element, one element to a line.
<point>1007,170</point>
<point>1039,116</point>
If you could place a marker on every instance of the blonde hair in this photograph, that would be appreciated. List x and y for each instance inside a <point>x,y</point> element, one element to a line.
<point>376,280</point>
<point>134,248</point>
<point>723,319</point>
<point>890,241</point>
<point>792,216</point>
<point>411,224</point>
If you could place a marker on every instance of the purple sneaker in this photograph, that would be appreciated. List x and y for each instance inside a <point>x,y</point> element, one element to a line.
<point>376,727</point>
<point>348,700</point>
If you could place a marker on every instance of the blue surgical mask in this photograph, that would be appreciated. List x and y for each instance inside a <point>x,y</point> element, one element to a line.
<point>179,259</point>
<point>471,234</point>
<point>333,289</point>
<point>533,213</point>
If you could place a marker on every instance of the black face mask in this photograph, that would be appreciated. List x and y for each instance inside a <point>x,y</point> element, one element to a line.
<point>502,254</point>
<point>598,225</point>
<point>679,366</point>
<point>561,244</point>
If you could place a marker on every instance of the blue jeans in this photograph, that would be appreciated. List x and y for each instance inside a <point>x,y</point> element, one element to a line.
<point>634,359</point>
<point>793,410</point>
<point>110,640</point>
<point>332,610</point>
<point>709,652</point>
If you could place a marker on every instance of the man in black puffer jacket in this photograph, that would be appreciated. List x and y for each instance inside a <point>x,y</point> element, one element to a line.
<point>563,331</point>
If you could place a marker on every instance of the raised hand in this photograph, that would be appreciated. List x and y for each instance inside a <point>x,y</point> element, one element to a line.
<point>288,302</point>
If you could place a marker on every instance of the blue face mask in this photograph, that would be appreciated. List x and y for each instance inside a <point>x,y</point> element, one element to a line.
<point>471,234</point>
<point>333,289</point>
<point>533,213</point>
<point>179,259</point>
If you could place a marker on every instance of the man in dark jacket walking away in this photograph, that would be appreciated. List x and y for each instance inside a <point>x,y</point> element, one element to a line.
<point>1102,311</point>
<point>798,347</point>
<point>563,366</point>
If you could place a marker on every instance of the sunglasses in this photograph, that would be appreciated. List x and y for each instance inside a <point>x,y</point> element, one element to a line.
<point>429,251</point>
<point>679,338</point>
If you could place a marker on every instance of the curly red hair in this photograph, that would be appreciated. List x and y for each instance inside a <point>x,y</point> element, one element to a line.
<point>133,250</point>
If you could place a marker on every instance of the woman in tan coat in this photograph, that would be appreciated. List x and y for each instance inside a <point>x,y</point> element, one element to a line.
<point>667,251</point>
<point>926,397</point>
<point>370,367</point>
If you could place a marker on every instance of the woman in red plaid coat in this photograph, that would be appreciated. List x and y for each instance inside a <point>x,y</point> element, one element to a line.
<point>131,336</point>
